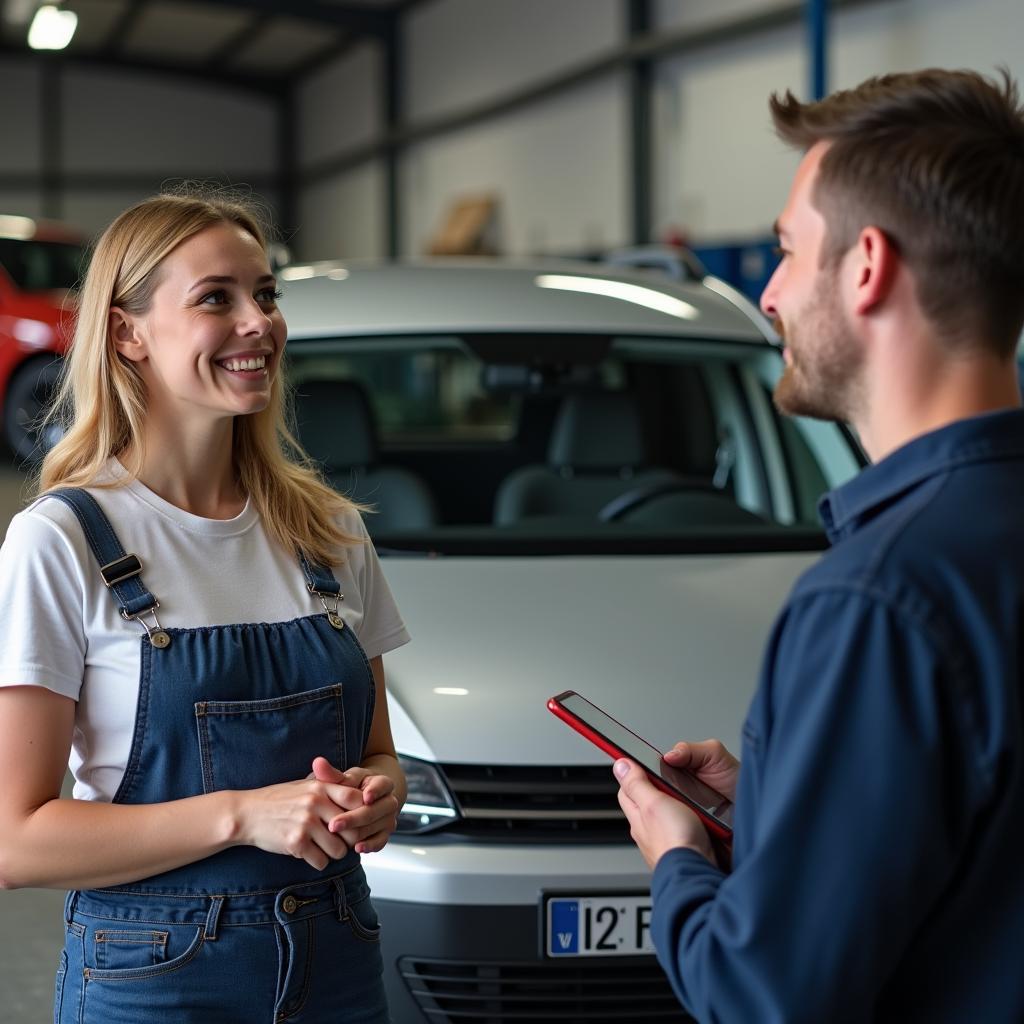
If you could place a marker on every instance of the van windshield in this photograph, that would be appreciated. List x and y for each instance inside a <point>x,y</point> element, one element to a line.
<point>560,444</point>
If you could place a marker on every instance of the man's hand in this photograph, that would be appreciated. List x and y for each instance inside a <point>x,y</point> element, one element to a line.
<point>658,822</point>
<point>710,762</point>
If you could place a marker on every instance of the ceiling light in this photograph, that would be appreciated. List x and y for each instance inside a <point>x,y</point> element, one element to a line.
<point>52,28</point>
<point>634,293</point>
<point>17,227</point>
<point>321,268</point>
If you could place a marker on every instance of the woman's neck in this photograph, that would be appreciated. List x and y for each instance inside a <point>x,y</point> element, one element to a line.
<point>192,468</point>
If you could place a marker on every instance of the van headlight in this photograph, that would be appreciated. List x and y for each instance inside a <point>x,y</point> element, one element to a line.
<point>429,805</point>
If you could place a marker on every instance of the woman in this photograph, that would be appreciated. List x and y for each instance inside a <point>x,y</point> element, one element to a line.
<point>181,608</point>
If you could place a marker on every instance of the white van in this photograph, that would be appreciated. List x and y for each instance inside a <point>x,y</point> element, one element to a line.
<point>582,484</point>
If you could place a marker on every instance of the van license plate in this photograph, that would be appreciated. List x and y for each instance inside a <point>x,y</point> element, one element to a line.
<point>598,926</point>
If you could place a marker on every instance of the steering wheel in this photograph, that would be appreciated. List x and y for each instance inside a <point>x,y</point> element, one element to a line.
<point>622,504</point>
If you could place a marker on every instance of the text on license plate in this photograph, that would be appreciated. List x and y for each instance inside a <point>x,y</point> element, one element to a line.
<point>598,926</point>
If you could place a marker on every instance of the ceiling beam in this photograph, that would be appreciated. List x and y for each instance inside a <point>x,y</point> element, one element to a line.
<point>122,27</point>
<point>340,15</point>
<point>268,85</point>
<point>238,41</point>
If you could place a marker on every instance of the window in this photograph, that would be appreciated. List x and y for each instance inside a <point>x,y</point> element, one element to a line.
<point>558,442</point>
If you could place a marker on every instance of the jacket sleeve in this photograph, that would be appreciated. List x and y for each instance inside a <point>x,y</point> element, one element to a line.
<point>862,788</point>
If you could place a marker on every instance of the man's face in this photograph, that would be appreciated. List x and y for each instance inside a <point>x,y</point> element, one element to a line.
<point>823,358</point>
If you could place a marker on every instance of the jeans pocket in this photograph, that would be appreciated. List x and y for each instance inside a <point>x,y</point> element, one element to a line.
<point>128,961</point>
<point>254,743</point>
<point>362,919</point>
<point>124,950</point>
<point>58,991</point>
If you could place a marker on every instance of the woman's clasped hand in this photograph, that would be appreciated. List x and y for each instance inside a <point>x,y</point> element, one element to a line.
<point>320,818</point>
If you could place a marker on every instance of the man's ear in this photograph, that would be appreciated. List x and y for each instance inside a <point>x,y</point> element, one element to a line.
<point>124,336</point>
<point>875,260</point>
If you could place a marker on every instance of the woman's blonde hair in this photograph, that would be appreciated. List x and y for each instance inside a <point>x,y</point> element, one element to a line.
<point>101,403</point>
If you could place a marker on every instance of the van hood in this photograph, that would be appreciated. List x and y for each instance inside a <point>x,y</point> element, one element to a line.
<point>669,645</point>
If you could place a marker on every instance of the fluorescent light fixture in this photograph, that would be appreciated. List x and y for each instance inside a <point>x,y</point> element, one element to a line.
<point>323,268</point>
<point>52,28</point>
<point>451,691</point>
<point>21,228</point>
<point>635,293</point>
<point>297,273</point>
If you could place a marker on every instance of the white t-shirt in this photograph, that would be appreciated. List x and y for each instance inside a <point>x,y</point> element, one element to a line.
<point>60,627</point>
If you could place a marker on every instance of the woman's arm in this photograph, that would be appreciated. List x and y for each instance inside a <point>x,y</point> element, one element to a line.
<point>49,842</point>
<point>380,756</point>
<point>372,818</point>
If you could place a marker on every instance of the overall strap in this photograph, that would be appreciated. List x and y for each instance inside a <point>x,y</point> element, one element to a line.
<point>321,581</point>
<point>120,571</point>
<point>319,578</point>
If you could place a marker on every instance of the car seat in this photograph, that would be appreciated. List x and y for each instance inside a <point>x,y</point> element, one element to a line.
<point>596,452</point>
<point>336,427</point>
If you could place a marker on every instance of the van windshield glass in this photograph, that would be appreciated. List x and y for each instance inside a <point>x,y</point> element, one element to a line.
<point>555,444</point>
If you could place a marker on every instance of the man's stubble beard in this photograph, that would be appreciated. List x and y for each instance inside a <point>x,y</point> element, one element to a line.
<point>823,379</point>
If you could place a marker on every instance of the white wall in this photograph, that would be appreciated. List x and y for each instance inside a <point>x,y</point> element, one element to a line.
<point>125,134</point>
<point>558,169</point>
<point>459,53</point>
<point>23,202</point>
<point>700,14</point>
<point>560,165</point>
<point>20,117</point>
<point>342,217</point>
<point>341,213</point>
<point>720,172</point>
<point>164,127</point>
<point>340,106</point>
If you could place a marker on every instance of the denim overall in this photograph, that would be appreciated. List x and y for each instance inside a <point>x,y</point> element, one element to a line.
<point>242,936</point>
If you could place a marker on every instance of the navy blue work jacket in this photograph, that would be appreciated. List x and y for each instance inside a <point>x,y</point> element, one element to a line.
<point>878,870</point>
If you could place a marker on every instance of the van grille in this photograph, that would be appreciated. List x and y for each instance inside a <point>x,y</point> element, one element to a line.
<point>534,803</point>
<point>456,992</point>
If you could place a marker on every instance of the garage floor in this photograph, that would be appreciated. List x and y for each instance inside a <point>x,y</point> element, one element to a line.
<point>30,920</point>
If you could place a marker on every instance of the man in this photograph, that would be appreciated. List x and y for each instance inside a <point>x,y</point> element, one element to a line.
<point>878,862</point>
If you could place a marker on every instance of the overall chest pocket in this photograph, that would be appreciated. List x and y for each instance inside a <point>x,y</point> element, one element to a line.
<point>253,743</point>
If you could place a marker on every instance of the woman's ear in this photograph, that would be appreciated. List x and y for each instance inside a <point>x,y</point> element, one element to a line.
<point>124,336</point>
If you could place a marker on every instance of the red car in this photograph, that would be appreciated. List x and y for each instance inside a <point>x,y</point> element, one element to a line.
<point>40,265</point>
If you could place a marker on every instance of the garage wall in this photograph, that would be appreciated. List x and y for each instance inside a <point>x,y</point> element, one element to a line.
<point>560,165</point>
<point>19,114</point>
<point>339,109</point>
<point>342,216</point>
<point>82,143</point>
<point>21,151</point>
<point>720,173</point>
<point>457,55</point>
<point>554,196</point>
<point>464,52</point>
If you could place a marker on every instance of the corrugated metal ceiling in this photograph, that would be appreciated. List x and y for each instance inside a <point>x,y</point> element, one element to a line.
<point>267,42</point>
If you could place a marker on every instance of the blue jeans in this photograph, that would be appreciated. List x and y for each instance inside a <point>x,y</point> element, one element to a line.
<point>308,954</point>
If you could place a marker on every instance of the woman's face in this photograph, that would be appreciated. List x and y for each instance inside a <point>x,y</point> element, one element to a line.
<point>211,342</point>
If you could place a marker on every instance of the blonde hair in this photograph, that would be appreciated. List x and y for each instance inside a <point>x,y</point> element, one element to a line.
<point>101,402</point>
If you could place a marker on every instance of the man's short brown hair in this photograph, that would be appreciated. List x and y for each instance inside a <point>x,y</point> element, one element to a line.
<point>935,159</point>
